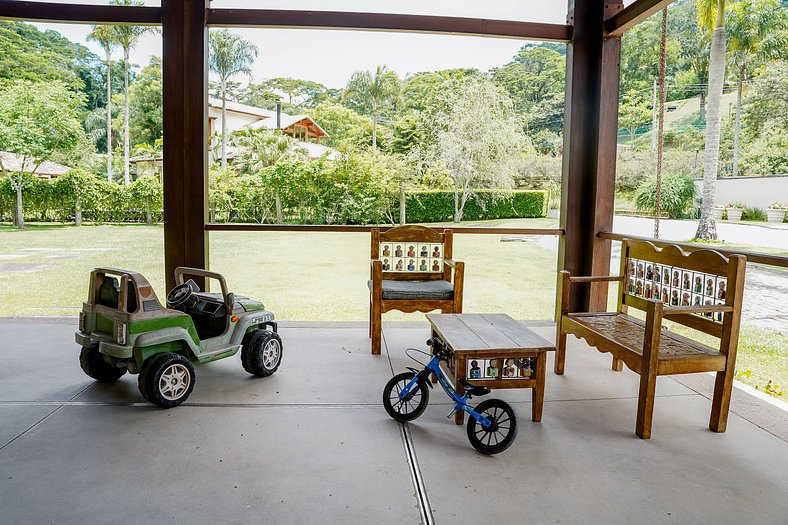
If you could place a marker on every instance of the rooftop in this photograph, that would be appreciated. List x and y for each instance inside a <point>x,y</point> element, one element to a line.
<point>312,443</point>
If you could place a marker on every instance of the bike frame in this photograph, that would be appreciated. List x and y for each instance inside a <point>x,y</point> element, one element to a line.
<point>460,402</point>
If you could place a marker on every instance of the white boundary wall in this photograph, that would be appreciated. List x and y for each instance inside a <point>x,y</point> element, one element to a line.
<point>753,192</point>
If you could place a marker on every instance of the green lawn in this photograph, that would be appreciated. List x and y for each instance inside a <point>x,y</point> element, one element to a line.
<point>305,276</point>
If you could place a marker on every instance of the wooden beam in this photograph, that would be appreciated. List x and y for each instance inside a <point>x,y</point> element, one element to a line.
<point>388,22</point>
<point>185,110</point>
<point>254,227</point>
<point>588,171</point>
<point>79,13</point>
<point>632,15</point>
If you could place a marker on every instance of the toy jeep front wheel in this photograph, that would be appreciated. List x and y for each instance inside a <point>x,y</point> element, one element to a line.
<point>166,380</point>
<point>93,364</point>
<point>261,353</point>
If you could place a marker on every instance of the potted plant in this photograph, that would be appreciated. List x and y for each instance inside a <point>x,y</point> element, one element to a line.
<point>775,212</point>
<point>717,211</point>
<point>734,210</point>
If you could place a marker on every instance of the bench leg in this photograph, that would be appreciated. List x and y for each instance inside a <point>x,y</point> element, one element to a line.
<point>375,327</point>
<point>618,364</point>
<point>721,402</point>
<point>560,352</point>
<point>648,387</point>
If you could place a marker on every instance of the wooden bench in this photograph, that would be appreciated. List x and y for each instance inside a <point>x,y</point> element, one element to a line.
<point>412,270</point>
<point>702,290</point>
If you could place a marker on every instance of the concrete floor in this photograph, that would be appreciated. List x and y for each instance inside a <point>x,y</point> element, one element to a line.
<point>312,444</point>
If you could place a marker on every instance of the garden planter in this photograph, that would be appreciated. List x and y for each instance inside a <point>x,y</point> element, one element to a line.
<point>775,215</point>
<point>716,213</point>
<point>734,214</point>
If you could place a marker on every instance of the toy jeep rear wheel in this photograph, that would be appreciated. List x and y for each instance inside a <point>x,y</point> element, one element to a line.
<point>166,380</point>
<point>261,354</point>
<point>93,364</point>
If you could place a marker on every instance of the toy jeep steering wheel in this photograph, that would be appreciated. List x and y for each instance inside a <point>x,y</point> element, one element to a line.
<point>179,295</point>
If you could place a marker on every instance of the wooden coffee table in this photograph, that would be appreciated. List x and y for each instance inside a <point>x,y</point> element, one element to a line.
<point>506,354</point>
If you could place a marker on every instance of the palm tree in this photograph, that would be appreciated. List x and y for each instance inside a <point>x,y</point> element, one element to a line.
<point>757,29</point>
<point>127,37</point>
<point>106,38</point>
<point>711,15</point>
<point>230,55</point>
<point>375,90</point>
<point>263,148</point>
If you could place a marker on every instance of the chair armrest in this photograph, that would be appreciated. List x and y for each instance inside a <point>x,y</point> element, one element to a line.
<point>452,263</point>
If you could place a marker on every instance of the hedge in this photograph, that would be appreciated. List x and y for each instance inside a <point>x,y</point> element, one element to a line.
<point>438,206</point>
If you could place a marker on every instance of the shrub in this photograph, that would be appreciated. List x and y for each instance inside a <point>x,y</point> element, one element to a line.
<point>753,214</point>
<point>677,195</point>
<point>438,206</point>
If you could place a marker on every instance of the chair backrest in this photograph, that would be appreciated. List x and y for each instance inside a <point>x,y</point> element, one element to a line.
<point>679,278</point>
<point>413,253</point>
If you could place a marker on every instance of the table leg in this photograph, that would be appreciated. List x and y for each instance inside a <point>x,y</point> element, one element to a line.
<point>460,370</point>
<point>433,376</point>
<point>537,394</point>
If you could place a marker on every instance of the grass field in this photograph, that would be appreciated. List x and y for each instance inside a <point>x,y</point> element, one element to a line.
<point>308,276</point>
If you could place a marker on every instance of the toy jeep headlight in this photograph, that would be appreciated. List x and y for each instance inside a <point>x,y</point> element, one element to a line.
<point>120,333</point>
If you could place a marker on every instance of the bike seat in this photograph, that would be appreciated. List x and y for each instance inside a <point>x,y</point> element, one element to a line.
<point>473,390</point>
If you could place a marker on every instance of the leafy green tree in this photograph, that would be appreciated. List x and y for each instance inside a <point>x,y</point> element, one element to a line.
<point>633,112</point>
<point>345,127</point>
<point>373,91</point>
<point>711,15</point>
<point>757,29</point>
<point>230,55</point>
<point>76,190</point>
<point>127,37</point>
<point>263,148</point>
<point>482,143</point>
<point>105,36</point>
<point>147,192</point>
<point>146,104</point>
<point>36,120</point>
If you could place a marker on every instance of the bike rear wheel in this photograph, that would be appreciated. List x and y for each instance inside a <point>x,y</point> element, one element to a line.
<point>413,405</point>
<point>500,435</point>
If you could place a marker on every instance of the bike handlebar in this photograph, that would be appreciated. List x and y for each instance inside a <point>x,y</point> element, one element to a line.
<point>438,349</point>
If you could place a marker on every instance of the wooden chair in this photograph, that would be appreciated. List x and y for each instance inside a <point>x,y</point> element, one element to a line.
<point>411,271</point>
<point>702,290</point>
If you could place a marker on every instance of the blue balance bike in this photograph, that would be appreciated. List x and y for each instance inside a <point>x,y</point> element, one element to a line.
<point>492,425</point>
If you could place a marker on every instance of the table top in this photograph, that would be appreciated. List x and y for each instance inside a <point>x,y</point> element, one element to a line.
<point>474,332</point>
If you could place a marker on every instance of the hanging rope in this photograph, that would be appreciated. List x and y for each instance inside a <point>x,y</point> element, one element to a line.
<point>662,66</point>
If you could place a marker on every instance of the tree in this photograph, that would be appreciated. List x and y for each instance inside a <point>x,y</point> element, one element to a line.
<point>263,148</point>
<point>230,55</point>
<point>373,91</point>
<point>633,112</point>
<point>482,143</point>
<point>757,29</point>
<point>36,120</point>
<point>105,36</point>
<point>711,15</point>
<point>127,37</point>
<point>345,127</point>
<point>146,104</point>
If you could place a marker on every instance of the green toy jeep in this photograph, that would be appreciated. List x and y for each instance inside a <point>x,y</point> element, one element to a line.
<point>123,327</point>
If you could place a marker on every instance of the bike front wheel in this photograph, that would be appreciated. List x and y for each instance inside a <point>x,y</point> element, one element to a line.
<point>413,405</point>
<point>500,435</point>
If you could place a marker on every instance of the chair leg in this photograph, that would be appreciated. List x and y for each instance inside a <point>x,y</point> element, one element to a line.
<point>375,327</point>
<point>560,351</point>
<point>648,387</point>
<point>370,317</point>
<point>721,402</point>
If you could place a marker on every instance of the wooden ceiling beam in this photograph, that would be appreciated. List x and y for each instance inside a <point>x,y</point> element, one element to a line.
<point>388,22</point>
<point>79,13</point>
<point>632,15</point>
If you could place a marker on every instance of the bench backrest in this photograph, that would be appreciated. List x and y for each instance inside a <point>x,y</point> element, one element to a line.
<point>413,253</point>
<point>679,278</point>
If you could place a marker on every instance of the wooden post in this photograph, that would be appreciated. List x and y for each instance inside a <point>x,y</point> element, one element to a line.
<point>185,103</point>
<point>589,160</point>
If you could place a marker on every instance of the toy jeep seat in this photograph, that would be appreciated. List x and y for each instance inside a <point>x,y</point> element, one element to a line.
<point>109,292</point>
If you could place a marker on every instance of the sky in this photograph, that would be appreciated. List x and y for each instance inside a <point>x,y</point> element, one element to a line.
<point>331,57</point>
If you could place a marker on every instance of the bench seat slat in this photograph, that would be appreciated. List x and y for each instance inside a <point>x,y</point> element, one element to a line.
<point>677,354</point>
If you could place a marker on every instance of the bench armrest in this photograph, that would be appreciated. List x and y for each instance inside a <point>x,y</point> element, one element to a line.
<point>565,280</point>
<point>596,278</point>
<point>696,309</point>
